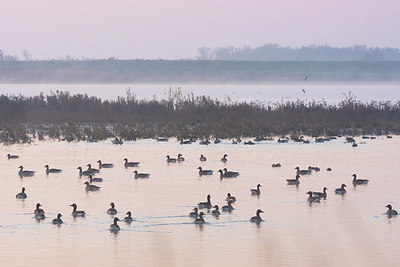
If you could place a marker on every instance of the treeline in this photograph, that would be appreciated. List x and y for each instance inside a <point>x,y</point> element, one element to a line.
<point>274,52</point>
<point>80,117</point>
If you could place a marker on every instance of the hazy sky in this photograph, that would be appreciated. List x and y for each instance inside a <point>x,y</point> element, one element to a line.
<point>174,29</point>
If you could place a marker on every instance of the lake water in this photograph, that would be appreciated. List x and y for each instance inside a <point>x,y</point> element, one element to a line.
<point>349,230</point>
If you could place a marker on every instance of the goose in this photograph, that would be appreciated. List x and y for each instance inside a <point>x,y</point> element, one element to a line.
<point>186,142</point>
<point>128,219</point>
<point>141,175</point>
<point>217,141</point>
<point>277,165</point>
<point>205,205</point>
<point>77,213</point>
<point>84,173</point>
<point>230,173</point>
<point>230,198</point>
<point>302,171</point>
<point>180,158</point>
<point>58,219</point>
<point>256,191</point>
<point>195,213</point>
<point>105,165</point>
<point>200,220</point>
<point>313,169</point>
<point>25,173</point>
<point>311,198</point>
<point>329,169</point>
<point>321,194</point>
<point>90,169</point>
<point>204,142</point>
<point>130,164</point>
<point>390,211</point>
<point>112,210</point>
<point>341,190</point>
<point>204,172</point>
<point>359,181</point>
<point>257,218</point>
<point>215,211</point>
<point>22,195</point>
<point>115,227</point>
<point>228,207</point>
<point>12,156</point>
<point>51,170</point>
<point>223,175</point>
<point>97,179</point>
<point>39,213</point>
<point>224,159</point>
<point>234,142</point>
<point>170,160</point>
<point>91,187</point>
<point>295,181</point>
<point>249,143</point>
<point>202,158</point>
<point>117,141</point>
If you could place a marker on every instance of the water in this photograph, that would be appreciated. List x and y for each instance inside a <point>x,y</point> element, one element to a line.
<point>260,93</point>
<point>341,230</point>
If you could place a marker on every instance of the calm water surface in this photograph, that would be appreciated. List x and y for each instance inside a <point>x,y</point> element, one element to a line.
<point>349,230</point>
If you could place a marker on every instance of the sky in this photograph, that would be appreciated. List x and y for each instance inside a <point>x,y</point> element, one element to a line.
<point>175,29</point>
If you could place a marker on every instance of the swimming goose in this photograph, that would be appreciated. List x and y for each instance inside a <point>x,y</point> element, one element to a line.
<point>257,218</point>
<point>195,213</point>
<point>224,159</point>
<point>313,169</point>
<point>130,164</point>
<point>215,211</point>
<point>329,169</point>
<point>390,211</point>
<point>202,158</point>
<point>105,165</point>
<point>91,187</point>
<point>341,190</point>
<point>58,219</point>
<point>186,142</point>
<point>84,173</point>
<point>180,158</point>
<point>170,160</point>
<point>128,219</point>
<point>359,181</point>
<point>311,198</point>
<point>228,207</point>
<point>256,191</point>
<point>230,173</point>
<point>22,195</point>
<point>204,142</point>
<point>293,181</point>
<point>77,213</point>
<point>115,227</point>
<point>205,205</point>
<point>22,173</point>
<point>97,179</point>
<point>90,169</point>
<point>12,156</point>
<point>112,210</point>
<point>200,220</point>
<point>277,165</point>
<point>204,172</point>
<point>249,143</point>
<point>51,170</point>
<point>223,175</point>
<point>302,171</point>
<point>230,198</point>
<point>39,213</point>
<point>321,194</point>
<point>141,175</point>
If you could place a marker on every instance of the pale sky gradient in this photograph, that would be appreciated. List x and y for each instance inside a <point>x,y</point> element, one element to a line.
<point>174,29</point>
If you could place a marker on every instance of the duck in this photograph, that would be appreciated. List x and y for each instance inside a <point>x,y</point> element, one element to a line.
<point>180,158</point>
<point>295,181</point>
<point>257,218</point>
<point>256,191</point>
<point>200,220</point>
<point>341,190</point>
<point>22,195</point>
<point>77,213</point>
<point>112,210</point>
<point>185,142</point>
<point>390,211</point>
<point>84,173</point>
<point>359,181</point>
<point>215,211</point>
<point>230,173</point>
<point>277,165</point>
<point>321,194</point>
<point>249,143</point>
<point>329,169</point>
<point>224,159</point>
<point>23,173</point>
<point>298,171</point>
<point>230,198</point>
<point>128,218</point>
<point>96,180</point>
<point>202,158</point>
<point>194,213</point>
<point>141,175</point>
<point>9,156</point>
<point>93,170</point>
<point>105,165</point>
<point>115,227</point>
<point>39,213</point>
<point>316,169</point>
<point>130,164</point>
<point>170,160</point>
<point>51,170</point>
<point>205,205</point>
<point>204,172</point>
<point>58,219</point>
<point>228,207</point>
<point>91,187</point>
<point>311,198</point>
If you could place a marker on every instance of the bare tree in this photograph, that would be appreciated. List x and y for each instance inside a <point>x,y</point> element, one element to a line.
<point>27,55</point>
